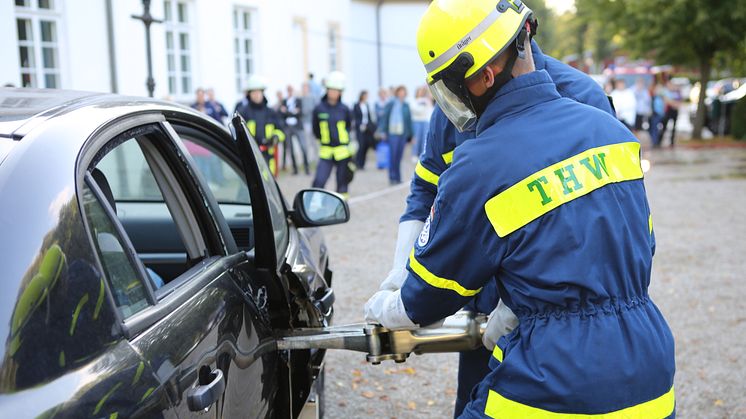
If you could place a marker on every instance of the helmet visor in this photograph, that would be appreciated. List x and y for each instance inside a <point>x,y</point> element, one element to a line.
<point>458,112</point>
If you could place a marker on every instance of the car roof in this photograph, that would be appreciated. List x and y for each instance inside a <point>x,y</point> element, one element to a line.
<point>23,109</point>
<point>20,105</point>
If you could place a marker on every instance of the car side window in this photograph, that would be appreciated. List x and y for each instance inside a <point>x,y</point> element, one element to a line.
<point>228,184</point>
<point>130,294</point>
<point>155,228</point>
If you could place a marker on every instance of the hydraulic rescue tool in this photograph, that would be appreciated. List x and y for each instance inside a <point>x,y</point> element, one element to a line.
<point>459,332</point>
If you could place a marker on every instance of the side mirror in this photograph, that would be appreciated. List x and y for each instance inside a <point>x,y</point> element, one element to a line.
<point>317,207</point>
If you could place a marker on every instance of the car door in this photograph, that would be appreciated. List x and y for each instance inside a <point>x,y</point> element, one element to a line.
<point>202,326</point>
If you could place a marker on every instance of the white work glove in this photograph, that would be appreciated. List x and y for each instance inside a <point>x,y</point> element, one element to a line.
<point>387,309</point>
<point>408,233</point>
<point>501,322</point>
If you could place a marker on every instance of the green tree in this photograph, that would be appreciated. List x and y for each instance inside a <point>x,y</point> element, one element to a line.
<point>683,32</point>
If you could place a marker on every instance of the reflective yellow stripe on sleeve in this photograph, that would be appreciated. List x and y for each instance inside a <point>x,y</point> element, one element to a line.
<point>448,157</point>
<point>497,353</point>
<point>561,183</point>
<point>438,282</point>
<point>503,408</point>
<point>425,174</point>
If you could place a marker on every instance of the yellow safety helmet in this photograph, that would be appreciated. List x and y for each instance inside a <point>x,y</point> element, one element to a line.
<point>456,39</point>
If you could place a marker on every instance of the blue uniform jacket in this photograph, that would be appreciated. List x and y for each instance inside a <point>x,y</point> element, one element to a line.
<point>443,138</point>
<point>337,119</point>
<point>558,217</point>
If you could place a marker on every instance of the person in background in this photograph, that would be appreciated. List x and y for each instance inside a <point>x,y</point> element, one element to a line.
<point>262,121</point>
<point>422,108</point>
<point>364,128</point>
<point>280,102</point>
<point>395,127</point>
<point>307,105</point>
<point>331,119</point>
<point>658,110</point>
<point>244,101</point>
<point>643,104</point>
<point>672,96</point>
<point>383,99</point>
<point>315,89</point>
<point>292,109</point>
<point>213,108</point>
<point>624,103</point>
<point>199,102</point>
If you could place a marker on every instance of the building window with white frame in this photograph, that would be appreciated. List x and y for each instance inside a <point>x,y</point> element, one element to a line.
<point>333,47</point>
<point>178,47</point>
<point>37,28</point>
<point>244,44</point>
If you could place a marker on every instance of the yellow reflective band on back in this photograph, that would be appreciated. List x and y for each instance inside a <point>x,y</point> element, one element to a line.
<point>325,136</point>
<point>269,130</point>
<point>497,353</point>
<point>448,157</point>
<point>500,407</point>
<point>425,174</point>
<point>650,223</point>
<point>438,282</point>
<point>561,183</point>
<point>344,137</point>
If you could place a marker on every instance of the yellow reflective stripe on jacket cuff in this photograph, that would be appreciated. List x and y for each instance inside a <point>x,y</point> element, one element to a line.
<point>497,353</point>
<point>448,157</point>
<point>561,183</point>
<point>438,282</point>
<point>500,407</point>
<point>426,175</point>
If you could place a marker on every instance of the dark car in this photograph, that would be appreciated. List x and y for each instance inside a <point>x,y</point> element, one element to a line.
<point>148,260</point>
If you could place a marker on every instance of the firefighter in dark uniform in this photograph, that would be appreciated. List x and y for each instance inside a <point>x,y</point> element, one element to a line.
<point>331,121</point>
<point>262,121</point>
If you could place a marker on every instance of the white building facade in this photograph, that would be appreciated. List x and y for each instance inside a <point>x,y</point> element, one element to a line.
<point>96,45</point>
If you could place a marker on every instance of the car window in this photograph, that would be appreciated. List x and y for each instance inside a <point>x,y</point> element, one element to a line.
<point>129,293</point>
<point>141,182</point>
<point>129,175</point>
<point>227,184</point>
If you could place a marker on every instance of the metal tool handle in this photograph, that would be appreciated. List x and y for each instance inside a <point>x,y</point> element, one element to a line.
<point>460,332</point>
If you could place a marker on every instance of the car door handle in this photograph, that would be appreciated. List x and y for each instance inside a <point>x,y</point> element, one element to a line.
<point>205,395</point>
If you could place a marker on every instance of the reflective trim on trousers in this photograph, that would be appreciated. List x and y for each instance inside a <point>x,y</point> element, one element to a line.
<point>500,407</point>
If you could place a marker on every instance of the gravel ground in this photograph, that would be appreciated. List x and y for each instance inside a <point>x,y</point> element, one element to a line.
<point>697,198</point>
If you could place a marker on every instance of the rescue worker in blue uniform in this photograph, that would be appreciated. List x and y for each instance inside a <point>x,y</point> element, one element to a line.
<point>558,220</point>
<point>437,156</point>
<point>331,121</point>
<point>262,121</point>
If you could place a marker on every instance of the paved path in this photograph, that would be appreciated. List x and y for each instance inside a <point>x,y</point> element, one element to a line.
<point>698,198</point>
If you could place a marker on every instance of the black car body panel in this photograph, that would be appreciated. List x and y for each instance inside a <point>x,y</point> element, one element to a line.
<point>69,351</point>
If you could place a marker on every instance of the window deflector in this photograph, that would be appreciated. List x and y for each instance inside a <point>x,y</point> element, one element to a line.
<point>248,152</point>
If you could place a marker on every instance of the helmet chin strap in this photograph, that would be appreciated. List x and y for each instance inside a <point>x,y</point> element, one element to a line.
<point>479,103</point>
